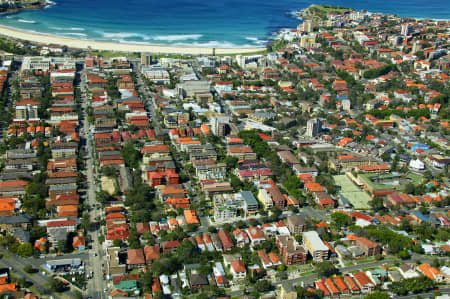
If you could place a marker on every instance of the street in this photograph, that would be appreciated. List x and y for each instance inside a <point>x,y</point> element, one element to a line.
<point>309,279</point>
<point>96,285</point>
<point>37,278</point>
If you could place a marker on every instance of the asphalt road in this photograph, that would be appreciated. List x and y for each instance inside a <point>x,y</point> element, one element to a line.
<point>96,285</point>
<point>17,265</point>
<point>309,279</point>
<point>424,295</point>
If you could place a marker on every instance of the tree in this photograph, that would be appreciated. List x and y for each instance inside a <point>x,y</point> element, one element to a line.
<point>133,239</point>
<point>263,285</point>
<point>308,293</point>
<point>281,268</point>
<point>409,188</point>
<point>25,250</point>
<point>275,213</point>
<point>375,73</point>
<point>131,155</point>
<point>86,221</point>
<point>377,204</point>
<point>28,268</point>
<point>231,162</point>
<point>403,254</point>
<point>377,295</point>
<point>149,238</point>
<point>341,219</point>
<point>56,285</point>
<point>186,251</point>
<point>146,280</point>
<point>415,285</point>
<point>117,243</point>
<point>326,269</point>
<point>109,171</point>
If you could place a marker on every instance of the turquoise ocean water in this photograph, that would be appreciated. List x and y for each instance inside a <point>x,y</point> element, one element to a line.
<point>209,23</point>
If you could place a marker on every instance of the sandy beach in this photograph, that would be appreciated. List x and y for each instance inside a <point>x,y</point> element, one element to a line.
<point>44,39</point>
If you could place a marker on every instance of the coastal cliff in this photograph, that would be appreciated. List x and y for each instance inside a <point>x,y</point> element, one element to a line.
<point>321,11</point>
<point>13,6</point>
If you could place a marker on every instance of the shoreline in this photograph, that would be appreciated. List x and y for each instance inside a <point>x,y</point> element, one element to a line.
<point>42,5</point>
<point>85,44</point>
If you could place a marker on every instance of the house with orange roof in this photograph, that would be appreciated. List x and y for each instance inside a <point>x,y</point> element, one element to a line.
<point>364,282</point>
<point>314,187</point>
<point>173,223</point>
<point>191,216</point>
<point>431,272</point>
<point>387,219</point>
<point>340,283</point>
<point>238,269</point>
<point>265,260</point>
<point>9,287</point>
<point>70,211</point>
<point>151,253</point>
<point>274,258</point>
<point>369,247</point>
<point>256,235</point>
<point>78,242</point>
<point>344,141</point>
<point>351,284</point>
<point>13,188</point>
<point>7,206</point>
<point>135,258</point>
<point>30,296</point>
<point>321,286</point>
<point>331,286</point>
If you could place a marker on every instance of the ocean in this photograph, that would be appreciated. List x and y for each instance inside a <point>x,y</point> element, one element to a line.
<point>204,23</point>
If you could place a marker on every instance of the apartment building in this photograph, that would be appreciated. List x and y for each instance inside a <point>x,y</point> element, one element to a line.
<point>315,246</point>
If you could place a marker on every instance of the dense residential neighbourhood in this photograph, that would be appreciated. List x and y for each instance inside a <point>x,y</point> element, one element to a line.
<point>318,169</point>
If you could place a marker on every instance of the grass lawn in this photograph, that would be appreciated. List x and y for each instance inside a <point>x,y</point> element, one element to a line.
<point>292,268</point>
<point>416,179</point>
<point>34,290</point>
<point>306,273</point>
<point>348,263</point>
<point>365,261</point>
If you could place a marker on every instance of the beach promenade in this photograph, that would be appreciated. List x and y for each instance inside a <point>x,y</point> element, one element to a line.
<point>44,39</point>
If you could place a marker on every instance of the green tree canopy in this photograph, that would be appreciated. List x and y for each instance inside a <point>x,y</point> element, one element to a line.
<point>131,155</point>
<point>377,295</point>
<point>341,219</point>
<point>326,269</point>
<point>25,250</point>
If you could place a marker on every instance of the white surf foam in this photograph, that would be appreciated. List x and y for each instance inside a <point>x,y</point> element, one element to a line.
<point>72,29</point>
<point>26,21</point>
<point>123,35</point>
<point>177,37</point>
<point>75,34</point>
